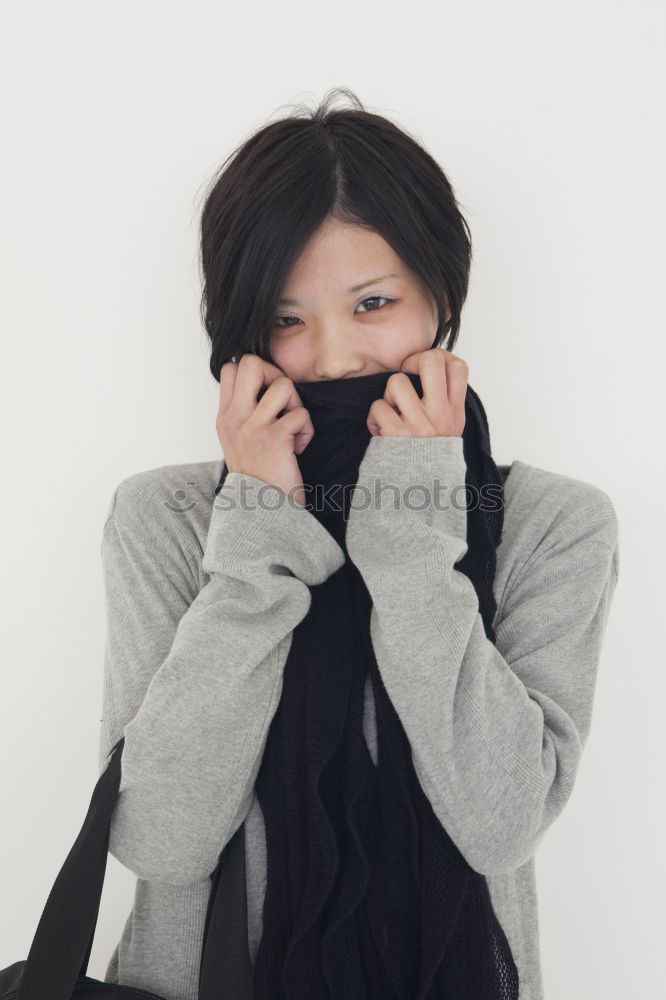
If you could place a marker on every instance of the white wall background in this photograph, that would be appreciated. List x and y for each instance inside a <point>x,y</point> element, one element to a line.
<point>546,118</point>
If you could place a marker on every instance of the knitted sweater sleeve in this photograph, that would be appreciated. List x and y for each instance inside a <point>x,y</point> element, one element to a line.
<point>193,675</point>
<point>496,729</point>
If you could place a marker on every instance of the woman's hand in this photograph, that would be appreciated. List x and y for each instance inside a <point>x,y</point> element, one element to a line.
<point>441,411</point>
<point>254,440</point>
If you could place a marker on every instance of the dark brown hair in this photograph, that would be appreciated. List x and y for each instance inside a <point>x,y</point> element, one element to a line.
<point>275,190</point>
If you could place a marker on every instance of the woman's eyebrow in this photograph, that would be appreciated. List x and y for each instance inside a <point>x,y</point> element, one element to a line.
<point>355,288</point>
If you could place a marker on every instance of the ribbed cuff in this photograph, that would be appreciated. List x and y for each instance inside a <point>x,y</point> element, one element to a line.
<point>252,519</point>
<point>436,465</point>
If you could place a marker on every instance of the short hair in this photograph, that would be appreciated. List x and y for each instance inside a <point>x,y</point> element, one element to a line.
<point>275,190</point>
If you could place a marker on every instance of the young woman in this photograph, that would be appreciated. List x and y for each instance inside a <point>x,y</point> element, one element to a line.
<point>387,701</point>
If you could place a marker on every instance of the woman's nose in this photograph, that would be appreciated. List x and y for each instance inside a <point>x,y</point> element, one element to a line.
<point>335,357</point>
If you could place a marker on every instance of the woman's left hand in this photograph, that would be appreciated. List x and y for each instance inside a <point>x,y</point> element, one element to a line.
<point>441,411</point>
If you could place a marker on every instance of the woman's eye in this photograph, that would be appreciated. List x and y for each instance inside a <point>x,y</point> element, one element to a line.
<point>278,318</point>
<point>376,298</point>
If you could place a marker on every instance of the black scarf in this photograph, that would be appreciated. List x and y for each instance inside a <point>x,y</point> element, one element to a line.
<point>367,896</point>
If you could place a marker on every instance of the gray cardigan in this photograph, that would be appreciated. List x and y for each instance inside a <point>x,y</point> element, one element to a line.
<point>202,598</point>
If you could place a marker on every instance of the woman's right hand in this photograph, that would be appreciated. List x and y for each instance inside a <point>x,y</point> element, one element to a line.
<point>253,439</point>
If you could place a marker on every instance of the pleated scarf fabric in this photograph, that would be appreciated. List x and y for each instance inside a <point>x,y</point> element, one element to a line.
<point>367,896</point>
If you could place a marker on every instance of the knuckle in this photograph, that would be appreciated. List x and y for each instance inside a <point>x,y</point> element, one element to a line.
<point>247,360</point>
<point>459,363</point>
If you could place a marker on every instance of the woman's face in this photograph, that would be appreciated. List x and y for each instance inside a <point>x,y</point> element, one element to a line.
<point>327,326</point>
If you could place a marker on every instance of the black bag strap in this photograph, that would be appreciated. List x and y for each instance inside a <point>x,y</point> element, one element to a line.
<point>226,923</point>
<point>61,947</point>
